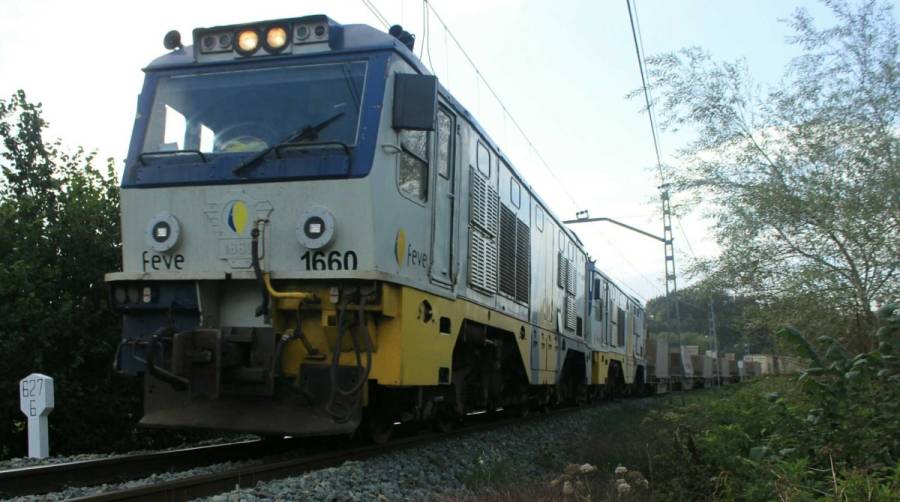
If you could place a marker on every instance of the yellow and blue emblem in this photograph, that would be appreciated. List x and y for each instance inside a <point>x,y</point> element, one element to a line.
<point>400,247</point>
<point>237,216</point>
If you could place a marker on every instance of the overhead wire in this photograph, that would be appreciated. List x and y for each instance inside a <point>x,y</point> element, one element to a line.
<point>424,33</point>
<point>686,241</point>
<point>620,282</point>
<point>626,260</point>
<point>512,119</point>
<point>427,42</point>
<point>375,12</point>
<point>648,99</point>
<point>425,49</point>
<point>638,49</point>
<point>427,7</point>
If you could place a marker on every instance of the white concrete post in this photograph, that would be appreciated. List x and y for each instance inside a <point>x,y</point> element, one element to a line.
<point>36,402</point>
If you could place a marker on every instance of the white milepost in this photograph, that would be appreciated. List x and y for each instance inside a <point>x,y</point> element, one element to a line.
<point>36,402</point>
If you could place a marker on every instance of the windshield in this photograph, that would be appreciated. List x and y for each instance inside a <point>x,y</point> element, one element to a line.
<point>251,110</point>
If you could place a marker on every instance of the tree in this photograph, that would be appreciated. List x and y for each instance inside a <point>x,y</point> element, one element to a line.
<point>802,179</point>
<point>59,234</point>
<point>737,324</point>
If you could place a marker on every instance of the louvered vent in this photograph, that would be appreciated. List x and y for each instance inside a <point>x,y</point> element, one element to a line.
<point>515,256</point>
<point>493,210</point>
<point>570,312</point>
<point>477,198</point>
<point>507,251</point>
<point>484,203</point>
<point>561,270</point>
<point>482,263</point>
<point>523,261</point>
<point>571,276</point>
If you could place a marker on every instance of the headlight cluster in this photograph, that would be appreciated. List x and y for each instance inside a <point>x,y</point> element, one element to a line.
<point>275,40</point>
<point>273,37</point>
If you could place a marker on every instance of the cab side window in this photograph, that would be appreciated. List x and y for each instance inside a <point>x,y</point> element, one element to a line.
<point>413,171</point>
<point>445,132</point>
<point>483,158</point>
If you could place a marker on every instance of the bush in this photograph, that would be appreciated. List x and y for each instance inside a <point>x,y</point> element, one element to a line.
<point>59,234</point>
<point>833,432</point>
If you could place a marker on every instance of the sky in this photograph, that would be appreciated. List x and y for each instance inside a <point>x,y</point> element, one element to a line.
<point>562,70</point>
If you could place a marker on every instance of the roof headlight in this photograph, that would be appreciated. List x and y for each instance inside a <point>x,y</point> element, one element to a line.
<point>276,38</point>
<point>247,41</point>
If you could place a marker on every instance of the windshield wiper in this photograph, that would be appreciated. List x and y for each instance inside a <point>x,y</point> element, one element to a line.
<point>310,132</point>
<point>169,152</point>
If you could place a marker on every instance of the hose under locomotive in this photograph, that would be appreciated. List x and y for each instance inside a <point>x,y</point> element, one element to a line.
<point>340,412</point>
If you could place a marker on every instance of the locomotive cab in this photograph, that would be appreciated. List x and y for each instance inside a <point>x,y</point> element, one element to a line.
<point>252,213</point>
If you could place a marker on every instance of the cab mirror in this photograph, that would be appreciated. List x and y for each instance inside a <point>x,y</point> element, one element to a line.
<point>415,101</point>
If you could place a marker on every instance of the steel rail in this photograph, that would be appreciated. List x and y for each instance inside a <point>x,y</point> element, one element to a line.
<point>42,479</point>
<point>211,484</point>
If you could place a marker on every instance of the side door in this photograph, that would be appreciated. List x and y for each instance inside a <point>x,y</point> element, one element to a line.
<point>443,239</point>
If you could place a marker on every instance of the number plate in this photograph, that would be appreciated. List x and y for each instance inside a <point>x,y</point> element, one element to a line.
<point>230,249</point>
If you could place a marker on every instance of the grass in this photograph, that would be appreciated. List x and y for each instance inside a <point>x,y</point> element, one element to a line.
<point>740,442</point>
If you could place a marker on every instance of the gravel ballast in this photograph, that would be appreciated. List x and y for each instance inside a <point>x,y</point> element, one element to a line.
<point>464,465</point>
<point>456,467</point>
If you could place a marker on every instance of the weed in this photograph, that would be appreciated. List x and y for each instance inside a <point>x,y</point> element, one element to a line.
<point>490,468</point>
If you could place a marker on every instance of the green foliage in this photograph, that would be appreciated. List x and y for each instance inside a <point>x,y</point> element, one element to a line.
<point>801,180</point>
<point>489,469</point>
<point>739,325</point>
<point>59,234</point>
<point>855,418</point>
<point>831,433</point>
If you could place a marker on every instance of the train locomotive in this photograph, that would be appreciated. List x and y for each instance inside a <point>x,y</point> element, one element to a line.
<point>318,239</point>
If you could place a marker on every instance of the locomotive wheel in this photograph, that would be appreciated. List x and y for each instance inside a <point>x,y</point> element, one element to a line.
<point>379,430</point>
<point>444,421</point>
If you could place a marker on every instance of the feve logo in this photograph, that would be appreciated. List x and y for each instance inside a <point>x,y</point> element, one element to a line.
<point>400,247</point>
<point>237,216</point>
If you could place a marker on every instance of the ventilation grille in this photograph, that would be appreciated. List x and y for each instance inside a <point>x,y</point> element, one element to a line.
<point>571,276</point>
<point>507,251</point>
<point>570,312</point>
<point>523,261</point>
<point>484,204</point>
<point>515,256</point>
<point>482,263</point>
<point>561,270</point>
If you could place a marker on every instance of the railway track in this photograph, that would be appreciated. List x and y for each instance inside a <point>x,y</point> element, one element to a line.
<point>271,466</point>
<point>49,478</point>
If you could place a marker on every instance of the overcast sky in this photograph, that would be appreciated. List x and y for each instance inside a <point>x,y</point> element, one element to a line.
<point>562,68</point>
